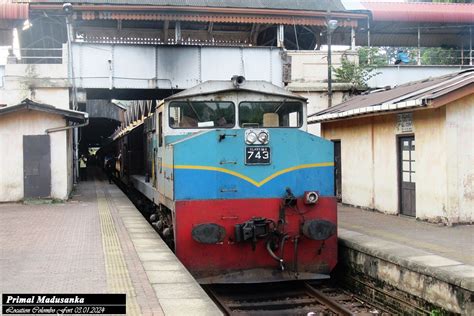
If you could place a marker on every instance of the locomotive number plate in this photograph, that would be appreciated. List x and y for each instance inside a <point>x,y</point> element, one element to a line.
<point>257,155</point>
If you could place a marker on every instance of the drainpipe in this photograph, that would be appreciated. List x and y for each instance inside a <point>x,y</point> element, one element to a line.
<point>470,46</point>
<point>72,80</point>
<point>65,128</point>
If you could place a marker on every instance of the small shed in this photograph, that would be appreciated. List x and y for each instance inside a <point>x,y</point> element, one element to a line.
<point>407,150</point>
<point>36,154</point>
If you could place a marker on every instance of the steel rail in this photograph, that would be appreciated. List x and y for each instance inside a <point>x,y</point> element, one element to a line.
<point>262,305</point>
<point>327,301</point>
<point>218,299</point>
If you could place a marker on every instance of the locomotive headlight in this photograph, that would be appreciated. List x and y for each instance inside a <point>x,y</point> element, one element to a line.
<point>251,138</point>
<point>311,197</point>
<point>263,137</point>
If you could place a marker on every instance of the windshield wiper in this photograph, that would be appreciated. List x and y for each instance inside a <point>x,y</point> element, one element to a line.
<point>194,110</point>
<point>279,107</point>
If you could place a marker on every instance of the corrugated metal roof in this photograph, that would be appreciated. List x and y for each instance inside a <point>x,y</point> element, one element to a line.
<point>27,104</point>
<point>313,5</point>
<point>413,94</point>
<point>13,11</point>
<point>216,86</point>
<point>421,12</point>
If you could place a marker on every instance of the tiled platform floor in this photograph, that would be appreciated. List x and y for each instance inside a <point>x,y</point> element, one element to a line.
<point>95,243</point>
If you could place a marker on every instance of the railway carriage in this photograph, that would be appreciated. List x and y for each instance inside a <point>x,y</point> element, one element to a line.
<point>240,189</point>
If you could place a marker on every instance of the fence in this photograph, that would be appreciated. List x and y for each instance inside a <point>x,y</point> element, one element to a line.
<point>428,56</point>
<point>40,56</point>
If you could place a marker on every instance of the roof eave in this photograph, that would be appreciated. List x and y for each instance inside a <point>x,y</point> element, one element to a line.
<point>228,10</point>
<point>177,97</point>
<point>71,115</point>
<point>370,111</point>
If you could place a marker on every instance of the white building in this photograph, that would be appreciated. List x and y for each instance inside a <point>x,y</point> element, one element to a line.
<point>408,150</point>
<point>36,151</point>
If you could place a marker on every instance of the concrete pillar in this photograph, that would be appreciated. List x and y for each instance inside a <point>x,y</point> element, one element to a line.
<point>281,36</point>
<point>368,32</point>
<point>177,32</point>
<point>353,38</point>
<point>419,51</point>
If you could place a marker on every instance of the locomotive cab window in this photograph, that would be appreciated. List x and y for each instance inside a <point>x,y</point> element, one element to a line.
<point>271,114</point>
<point>201,114</point>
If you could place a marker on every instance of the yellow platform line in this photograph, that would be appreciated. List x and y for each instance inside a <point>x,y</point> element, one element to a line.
<point>118,278</point>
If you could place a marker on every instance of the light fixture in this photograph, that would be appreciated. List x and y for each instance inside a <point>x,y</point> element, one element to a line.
<point>311,197</point>
<point>26,25</point>
<point>251,138</point>
<point>257,136</point>
<point>332,25</point>
<point>263,137</point>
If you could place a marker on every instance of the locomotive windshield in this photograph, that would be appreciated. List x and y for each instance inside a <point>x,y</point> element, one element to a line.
<point>201,114</point>
<point>271,114</point>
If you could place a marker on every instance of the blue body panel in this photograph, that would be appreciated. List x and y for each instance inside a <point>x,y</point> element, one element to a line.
<point>206,168</point>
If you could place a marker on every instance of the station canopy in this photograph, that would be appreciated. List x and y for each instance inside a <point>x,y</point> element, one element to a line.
<point>400,24</point>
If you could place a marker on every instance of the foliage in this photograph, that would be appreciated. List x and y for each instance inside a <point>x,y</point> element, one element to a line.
<point>437,312</point>
<point>440,56</point>
<point>358,74</point>
<point>371,56</point>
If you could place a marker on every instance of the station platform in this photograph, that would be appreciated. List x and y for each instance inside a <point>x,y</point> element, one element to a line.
<point>97,242</point>
<point>409,258</point>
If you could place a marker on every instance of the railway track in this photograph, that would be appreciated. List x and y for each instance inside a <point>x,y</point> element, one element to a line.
<point>288,298</point>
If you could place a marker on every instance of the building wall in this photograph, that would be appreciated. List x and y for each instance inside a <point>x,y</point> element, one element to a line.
<point>460,159</point>
<point>312,65</point>
<point>368,155</point>
<point>12,128</point>
<point>444,161</point>
<point>318,101</point>
<point>42,83</point>
<point>430,151</point>
<point>385,154</point>
<point>309,75</point>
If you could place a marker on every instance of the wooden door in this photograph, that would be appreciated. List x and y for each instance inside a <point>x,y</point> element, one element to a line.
<point>36,166</point>
<point>337,170</point>
<point>407,175</point>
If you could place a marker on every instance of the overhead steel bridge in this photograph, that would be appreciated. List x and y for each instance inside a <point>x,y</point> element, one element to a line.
<point>122,66</point>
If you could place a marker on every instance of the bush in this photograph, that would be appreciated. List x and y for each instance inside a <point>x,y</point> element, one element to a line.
<point>358,74</point>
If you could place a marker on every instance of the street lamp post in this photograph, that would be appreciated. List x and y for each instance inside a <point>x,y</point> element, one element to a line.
<point>331,26</point>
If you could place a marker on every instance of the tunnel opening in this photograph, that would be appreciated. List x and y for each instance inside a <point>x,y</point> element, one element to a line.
<point>126,110</point>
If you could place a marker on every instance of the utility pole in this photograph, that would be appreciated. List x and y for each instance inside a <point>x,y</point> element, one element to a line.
<point>331,26</point>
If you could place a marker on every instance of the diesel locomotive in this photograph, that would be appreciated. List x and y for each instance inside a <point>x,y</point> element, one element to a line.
<point>237,186</point>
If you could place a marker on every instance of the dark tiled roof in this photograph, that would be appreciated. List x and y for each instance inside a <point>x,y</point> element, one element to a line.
<point>411,94</point>
<point>313,5</point>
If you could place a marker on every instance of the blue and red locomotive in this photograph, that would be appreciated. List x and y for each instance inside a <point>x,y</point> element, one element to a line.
<point>241,190</point>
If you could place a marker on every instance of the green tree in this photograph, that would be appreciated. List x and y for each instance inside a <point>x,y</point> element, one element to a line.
<point>440,56</point>
<point>358,74</point>
<point>371,57</point>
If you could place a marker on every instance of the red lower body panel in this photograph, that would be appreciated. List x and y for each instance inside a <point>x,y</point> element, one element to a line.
<point>229,256</point>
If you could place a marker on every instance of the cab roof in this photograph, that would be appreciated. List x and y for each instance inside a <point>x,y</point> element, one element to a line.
<point>218,86</point>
